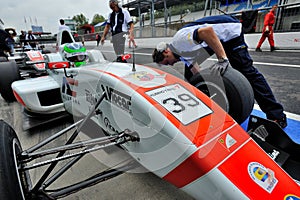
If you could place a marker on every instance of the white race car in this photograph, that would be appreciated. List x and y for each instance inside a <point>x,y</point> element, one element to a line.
<point>164,123</point>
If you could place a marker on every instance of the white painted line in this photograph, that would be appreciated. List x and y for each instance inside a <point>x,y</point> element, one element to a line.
<point>288,114</point>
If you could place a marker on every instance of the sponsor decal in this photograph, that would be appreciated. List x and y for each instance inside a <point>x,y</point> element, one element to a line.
<point>141,76</point>
<point>291,197</point>
<point>297,40</point>
<point>111,129</point>
<point>274,154</point>
<point>68,94</point>
<point>146,78</point>
<point>229,141</point>
<point>89,97</point>
<point>262,176</point>
<point>117,98</point>
<point>66,88</point>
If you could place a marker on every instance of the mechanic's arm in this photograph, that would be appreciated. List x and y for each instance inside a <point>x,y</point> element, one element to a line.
<point>195,68</point>
<point>208,35</point>
<point>106,29</point>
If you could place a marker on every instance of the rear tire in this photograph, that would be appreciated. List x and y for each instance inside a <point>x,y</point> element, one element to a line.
<point>13,184</point>
<point>232,92</point>
<point>9,72</point>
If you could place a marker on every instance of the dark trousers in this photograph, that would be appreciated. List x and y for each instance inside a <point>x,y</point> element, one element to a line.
<point>118,41</point>
<point>239,58</point>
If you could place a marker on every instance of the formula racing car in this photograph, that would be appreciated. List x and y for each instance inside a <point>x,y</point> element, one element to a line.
<point>164,123</point>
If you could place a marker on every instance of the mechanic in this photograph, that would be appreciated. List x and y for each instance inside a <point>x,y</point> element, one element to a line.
<point>75,53</point>
<point>223,36</point>
<point>118,22</point>
<point>4,47</point>
<point>22,37</point>
<point>32,44</point>
<point>268,31</point>
<point>62,26</point>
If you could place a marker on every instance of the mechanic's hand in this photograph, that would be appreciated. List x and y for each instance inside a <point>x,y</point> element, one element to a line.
<point>219,67</point>
<point>102,40</point>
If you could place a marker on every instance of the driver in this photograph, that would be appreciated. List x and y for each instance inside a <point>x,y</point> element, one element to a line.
<point>75,53</point>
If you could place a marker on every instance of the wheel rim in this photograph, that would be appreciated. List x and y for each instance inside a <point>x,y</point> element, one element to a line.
<point>214,92</point>
<point>16,150</point>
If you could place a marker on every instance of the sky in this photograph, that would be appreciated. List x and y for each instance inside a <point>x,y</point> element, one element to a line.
<point>46,13</point>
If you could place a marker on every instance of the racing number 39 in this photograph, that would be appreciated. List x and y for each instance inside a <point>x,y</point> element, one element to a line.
<point>180,102</point>
<point>177,102</point>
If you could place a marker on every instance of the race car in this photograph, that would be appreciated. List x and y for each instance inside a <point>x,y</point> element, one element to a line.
<point>164,123</point>
<point>30,63</point>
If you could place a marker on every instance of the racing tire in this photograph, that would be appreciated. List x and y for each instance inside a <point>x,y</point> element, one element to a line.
<point>14,184</point>
<point>232,91</point>
<point>9,72</point>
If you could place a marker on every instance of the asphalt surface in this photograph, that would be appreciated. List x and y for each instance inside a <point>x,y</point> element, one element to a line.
<point>281,69</point>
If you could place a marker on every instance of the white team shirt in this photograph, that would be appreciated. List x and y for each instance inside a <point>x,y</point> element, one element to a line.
<point>63,27</point>
<point>188,49</point>
<point>127,20</point>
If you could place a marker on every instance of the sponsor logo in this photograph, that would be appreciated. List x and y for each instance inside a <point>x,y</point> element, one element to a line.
<point>111,129</point>
<point>262,176</point>
<point>291,197</point>
<point>274,154</point>
<point>230,141</point>
<point>141,76</point>
<point>117,98</point>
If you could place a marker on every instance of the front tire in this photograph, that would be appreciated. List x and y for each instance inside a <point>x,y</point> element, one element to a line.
<point>9,72</point>
<point>13,183</point>
<point>232,92</point>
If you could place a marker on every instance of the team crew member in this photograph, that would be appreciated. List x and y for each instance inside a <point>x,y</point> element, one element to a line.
<point>268,30</point>
<point>4,47</point>
<point>223,36</point>
<point>62,26</point>
<point>30,36</point>
<point>118,22</point>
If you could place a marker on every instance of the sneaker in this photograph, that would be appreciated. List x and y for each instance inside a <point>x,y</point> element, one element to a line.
<point>281,122</point>
<point>258,50</point>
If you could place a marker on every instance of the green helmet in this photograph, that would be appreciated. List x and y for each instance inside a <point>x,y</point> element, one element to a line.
<point>76,53</point>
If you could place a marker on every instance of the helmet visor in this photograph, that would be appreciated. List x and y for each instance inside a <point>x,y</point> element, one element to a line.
<point>77,58</point>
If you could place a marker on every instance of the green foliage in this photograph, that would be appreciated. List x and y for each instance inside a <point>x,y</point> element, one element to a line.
<point>97,19</point>
<point>80,19</point>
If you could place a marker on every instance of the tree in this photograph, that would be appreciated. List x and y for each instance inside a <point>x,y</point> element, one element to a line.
<point>80,20</point>
<point>97,19</point>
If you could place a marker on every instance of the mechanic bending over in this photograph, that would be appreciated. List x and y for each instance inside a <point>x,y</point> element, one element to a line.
<point>4,47</point>
<point>118,22</point>
<point>223,36</point>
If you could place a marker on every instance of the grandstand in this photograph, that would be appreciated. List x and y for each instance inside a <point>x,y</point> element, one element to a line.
<point>166,24</point>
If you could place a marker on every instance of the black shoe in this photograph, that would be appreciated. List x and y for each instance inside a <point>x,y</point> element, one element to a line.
<point>273,48</point>
<point>281,122</point>
<point>258,50</point>
<point>120,59</point>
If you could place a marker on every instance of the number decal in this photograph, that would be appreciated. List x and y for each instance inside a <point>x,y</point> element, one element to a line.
<point>180,102</point>
<point>187,97</point>
<point>175,103</point>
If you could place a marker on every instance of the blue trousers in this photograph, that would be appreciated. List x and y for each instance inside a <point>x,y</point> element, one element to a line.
<point>239,58</point>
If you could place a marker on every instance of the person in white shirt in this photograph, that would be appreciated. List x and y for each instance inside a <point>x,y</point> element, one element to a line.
<point>223,36</point>
<point>30,44</point>
<point>118,22</point>
<point>62,26</point>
